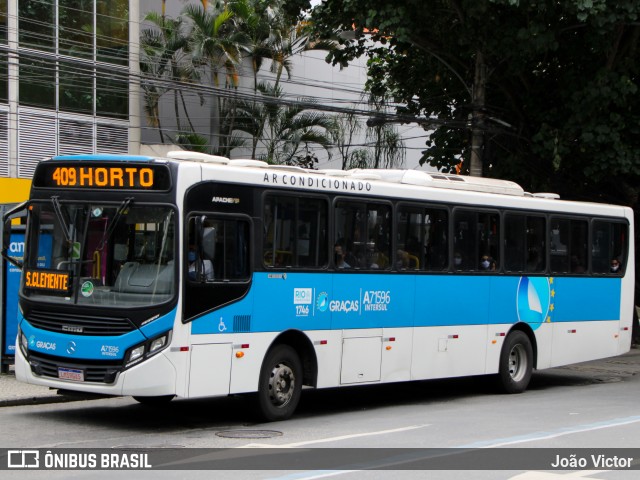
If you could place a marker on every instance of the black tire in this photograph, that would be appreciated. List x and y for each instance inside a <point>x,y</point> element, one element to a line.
<point>280,384</point>
<point>516,363</point>
<point>154,401</point>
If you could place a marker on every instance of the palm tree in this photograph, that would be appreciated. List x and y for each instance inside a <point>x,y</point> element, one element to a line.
<point>164,62</point>
<point>388,148</point>
<point>215,42</point>
<point>289,129</point>
<point>264,26</point>
<point>273,35</point>
<point>347,128</point>
<point>296,39</point>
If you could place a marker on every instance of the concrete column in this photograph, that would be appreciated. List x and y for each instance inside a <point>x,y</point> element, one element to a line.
<point>13,85</point>
<point>134,78</point>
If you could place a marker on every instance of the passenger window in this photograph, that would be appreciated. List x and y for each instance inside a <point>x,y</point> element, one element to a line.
<point>362,236</point>
<point>218,250</point>
<point>422,239</point>
<point>568,246</point>
<point>476,241</point>
<point>609,247</point>
<point>524,243</point>
<point>295,232</point>
<point>514,243</point>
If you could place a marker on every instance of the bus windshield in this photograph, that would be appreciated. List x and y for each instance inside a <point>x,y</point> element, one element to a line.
<point>106,255</point>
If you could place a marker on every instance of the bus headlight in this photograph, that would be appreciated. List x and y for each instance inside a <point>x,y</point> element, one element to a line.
<point>136,353</point>
<point>158,344</point>
<point>142,351</point>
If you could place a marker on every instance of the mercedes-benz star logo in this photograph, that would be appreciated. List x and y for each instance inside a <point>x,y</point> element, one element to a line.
<point>71,348</point>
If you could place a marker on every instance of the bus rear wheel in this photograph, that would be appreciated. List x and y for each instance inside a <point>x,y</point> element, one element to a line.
<point>516,363</point>
<point>280,384</point>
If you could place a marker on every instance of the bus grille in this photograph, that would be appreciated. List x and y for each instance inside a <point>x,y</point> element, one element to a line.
<point>97,371</point>
<point>80,324</point>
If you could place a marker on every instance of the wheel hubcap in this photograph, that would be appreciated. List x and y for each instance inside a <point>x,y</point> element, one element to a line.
<point>517,363</point>
<point>281,385</point>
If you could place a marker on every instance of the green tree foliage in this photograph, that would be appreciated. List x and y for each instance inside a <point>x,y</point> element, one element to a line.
<point>562,104</point>
<point>561,108</point>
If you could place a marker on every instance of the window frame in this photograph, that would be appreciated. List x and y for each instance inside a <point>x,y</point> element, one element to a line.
<point>423,259</point>
<point>570,218</point>
<point>187,241</point>
<point>266,195</point>
<point>366,202</point>
<point>526,215</point>
<point>625,248</point>
<point>500,235</point>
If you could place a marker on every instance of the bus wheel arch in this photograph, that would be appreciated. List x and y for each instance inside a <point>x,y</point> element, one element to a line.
<point>307,354</point>
<point>518,358</point>
<point>288,364</point>
<point>526,328</point>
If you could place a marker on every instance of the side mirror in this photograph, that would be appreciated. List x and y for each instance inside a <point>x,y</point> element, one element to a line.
<point>6,232</point>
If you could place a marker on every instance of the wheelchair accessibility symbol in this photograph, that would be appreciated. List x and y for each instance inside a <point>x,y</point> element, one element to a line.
<point>221,326</point>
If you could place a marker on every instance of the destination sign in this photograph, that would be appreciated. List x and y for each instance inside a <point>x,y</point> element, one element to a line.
<point>49,280</point>
<point>102,176</point>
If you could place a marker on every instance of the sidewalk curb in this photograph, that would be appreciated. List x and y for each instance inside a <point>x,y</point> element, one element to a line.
<point>53,398</point>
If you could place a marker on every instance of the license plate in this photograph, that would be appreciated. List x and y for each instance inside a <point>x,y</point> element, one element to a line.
<point>74,374</point>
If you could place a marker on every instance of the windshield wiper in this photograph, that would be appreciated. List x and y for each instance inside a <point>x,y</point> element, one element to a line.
<point>56,208</point>
<point>123,206</point>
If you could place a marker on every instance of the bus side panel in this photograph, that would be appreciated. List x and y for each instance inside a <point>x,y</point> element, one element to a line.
<point>452,300</point>
<point>372,300</point>
<point>328,348</point>
<point>223,364</point>
<point>450,351</point>
<point>575,342</point>
<point>585,314</point>
<point>450,338</point>
<point>397,349</point>
<point>627,302</point>
<point>210,372</point>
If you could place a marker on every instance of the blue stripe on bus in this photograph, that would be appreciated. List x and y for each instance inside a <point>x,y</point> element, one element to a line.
<point>88,347</point>
<point>160,325</point>
<point>307,301</point>
<point>105,157</point>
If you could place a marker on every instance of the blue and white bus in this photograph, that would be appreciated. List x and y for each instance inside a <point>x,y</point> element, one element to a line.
<point>198,276</point>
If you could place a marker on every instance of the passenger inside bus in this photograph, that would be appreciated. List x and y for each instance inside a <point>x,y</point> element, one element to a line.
<point>206,265</point>
<point>340,256</point>
<point>406,261</point>
<point>616,267</point>
<point>487,263</point>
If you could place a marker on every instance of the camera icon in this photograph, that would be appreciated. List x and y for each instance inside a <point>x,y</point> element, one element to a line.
<point>23,459</point>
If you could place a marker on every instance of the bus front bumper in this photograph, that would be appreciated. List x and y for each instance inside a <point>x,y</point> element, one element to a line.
<point>154,377</point>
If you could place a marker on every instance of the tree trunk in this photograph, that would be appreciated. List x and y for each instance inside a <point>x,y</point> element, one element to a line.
<point>477,118</point>
<point>214,122</point>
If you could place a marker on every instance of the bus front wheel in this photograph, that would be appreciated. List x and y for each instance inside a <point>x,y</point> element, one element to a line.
<point>516,363</point>
<point>280,384</point>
